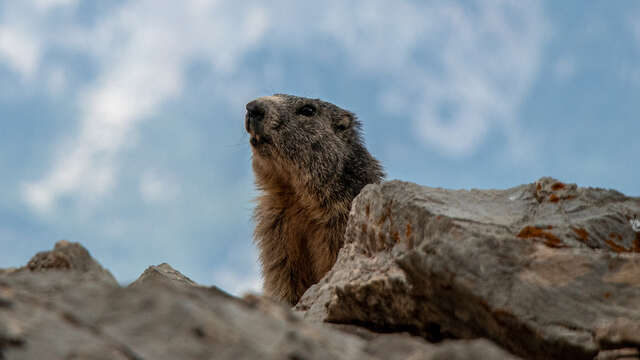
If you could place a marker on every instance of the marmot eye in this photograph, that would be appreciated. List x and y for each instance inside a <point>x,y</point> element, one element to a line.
<point>307,110</point>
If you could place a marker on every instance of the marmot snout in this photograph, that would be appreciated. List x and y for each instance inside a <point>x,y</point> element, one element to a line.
<point>309,162</point>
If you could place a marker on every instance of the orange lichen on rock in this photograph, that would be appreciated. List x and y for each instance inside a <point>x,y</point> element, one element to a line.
<point>409,231</point>
<point>619,248</point>
<point>555,198</point>
<point>616,247</point>
<point>385,216</point>
<point>557,186</point>
<point>395,236</point>
<point>582,234</point>
<point>534,232</point>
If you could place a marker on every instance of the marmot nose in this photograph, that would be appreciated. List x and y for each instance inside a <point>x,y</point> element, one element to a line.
<point>255,115</point>
<point>256,109</point>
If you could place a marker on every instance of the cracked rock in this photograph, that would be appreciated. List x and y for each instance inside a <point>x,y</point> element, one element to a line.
<point>537,269</point>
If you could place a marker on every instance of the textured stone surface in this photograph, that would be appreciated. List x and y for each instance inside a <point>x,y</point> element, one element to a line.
<point>162,273</point>
<point>546,270</point>
<point>620,333</point>
<point>401,347</point>
<point>79,313</point>
<point>68,256</point>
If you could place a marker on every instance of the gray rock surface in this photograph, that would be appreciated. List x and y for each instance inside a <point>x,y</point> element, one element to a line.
<point>547,270</point>
<point>66,307</point>
<point>68,256</point>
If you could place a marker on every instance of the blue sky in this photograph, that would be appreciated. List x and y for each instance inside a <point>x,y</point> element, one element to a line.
<point>122,121</point>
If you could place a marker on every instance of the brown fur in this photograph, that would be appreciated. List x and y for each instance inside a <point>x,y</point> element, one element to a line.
<point>308,168</point>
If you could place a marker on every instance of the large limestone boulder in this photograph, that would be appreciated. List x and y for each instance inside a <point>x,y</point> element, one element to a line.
<point>547,270</point>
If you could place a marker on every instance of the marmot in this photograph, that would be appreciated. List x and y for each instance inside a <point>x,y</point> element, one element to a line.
<point>309,162</point>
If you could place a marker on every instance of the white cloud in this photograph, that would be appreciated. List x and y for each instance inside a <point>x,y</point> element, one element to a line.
<point>238,284</point>
<point>20,50</point>
<point>142,50</point>
<point>477,63</point>
<point>82,171</point>
<point>455,71</point>
<point>56,80</point>
<point>25,33</point>
<point>155,188</point>
<point>44,5</point>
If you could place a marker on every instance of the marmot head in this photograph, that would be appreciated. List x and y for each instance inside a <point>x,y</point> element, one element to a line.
<point>308,141</point>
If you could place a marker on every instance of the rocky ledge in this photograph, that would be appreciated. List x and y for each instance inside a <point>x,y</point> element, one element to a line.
<point>541,271</point>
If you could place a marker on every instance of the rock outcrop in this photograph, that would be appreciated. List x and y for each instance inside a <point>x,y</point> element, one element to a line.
<point>546,270</point>
<point>65,309</point>
<point>543,271</point>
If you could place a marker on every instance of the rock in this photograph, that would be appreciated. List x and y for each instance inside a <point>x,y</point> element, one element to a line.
<point>618,334</point>
<point>538,268</point>
<point>165,274</point>
<point>8,271</point>
<point>59,315</point>
<point>619,354</point>
<point>400,347</point>
<point>74,314</point>
<point>67,256</point>
<point>162,273</point>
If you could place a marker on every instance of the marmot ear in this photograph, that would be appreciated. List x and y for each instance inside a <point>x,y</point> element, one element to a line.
<point>343,122</point>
